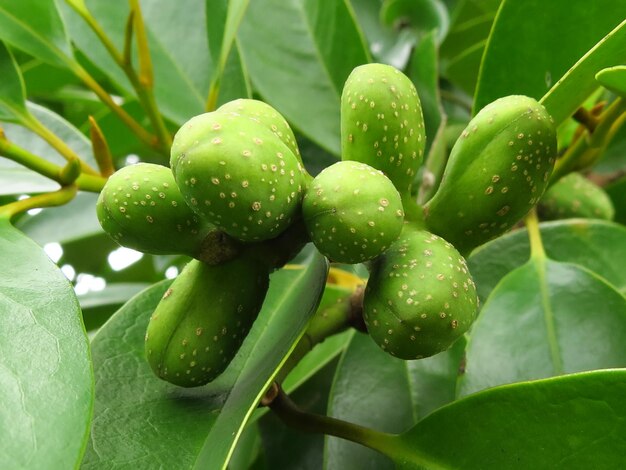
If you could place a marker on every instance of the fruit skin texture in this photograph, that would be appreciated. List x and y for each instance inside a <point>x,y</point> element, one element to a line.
<point>266,115</point>
<point>352,212</point>
<point>234,172</point>
<point>497,171</point>
<point>420,297</point>
<point>201,321</point>
<point>575,196</point>
<point>382,123</point>
<point>141,207</point>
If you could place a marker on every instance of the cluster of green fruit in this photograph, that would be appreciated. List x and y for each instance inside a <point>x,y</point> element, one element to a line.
<point>237,182</point>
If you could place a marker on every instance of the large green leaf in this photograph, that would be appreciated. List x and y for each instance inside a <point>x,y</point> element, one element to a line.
<point>597,245</point>
<point>12,92</point>
<point>299,54</point>
<point>522,57</point>
<point>46,381</point>
<point>36,27</point>
<point>167,426</point>
<point>613,78</point>
<point>374,389</point>
<point>576,421</point>
<point>543,319</point>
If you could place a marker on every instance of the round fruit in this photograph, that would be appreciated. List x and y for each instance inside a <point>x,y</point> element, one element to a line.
<point>352,212</point>
<point>497,171</point>
<point>575,196</point>
<point>420,297</point>
<point>141,207</point>
<point>382,123</point>
<point>234,172</point>
<point>203,318</point>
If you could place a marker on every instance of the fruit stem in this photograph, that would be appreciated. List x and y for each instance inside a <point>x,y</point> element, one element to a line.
<point>326,322</point>
<point>537,251</point>
<point>84,182</point>
<point>56,198</point>
<point>590,146</point>
<point>293,416</point>
<point>413,212</point>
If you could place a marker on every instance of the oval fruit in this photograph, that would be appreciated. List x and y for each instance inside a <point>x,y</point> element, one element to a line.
<point>420,297</point>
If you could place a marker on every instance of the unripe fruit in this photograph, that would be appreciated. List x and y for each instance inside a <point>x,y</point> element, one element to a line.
<point>266,115</point>
<point>141,207</point>
<point>420,297</point>
<point>203,318</point>
<point>497,171</point>
<point>237,174</point>
<point>575,196</point>
<point>352,212</point>
<point>382,123</point>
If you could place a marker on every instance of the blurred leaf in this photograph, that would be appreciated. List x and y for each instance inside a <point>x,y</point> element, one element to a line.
<point>386,45</point>
<point>46,382</point>
<point>42,78</point>
<point>35,26</point>
<point>597,245</point>
<point>462,49</point>
<point>571,321</point>
<point>424,73</point>
<point>129,396</point>
<point>575,421</point>
<point>178,46</point>
<point>617,193</point>
<point>614,79</point>
<point>299,54</point>
<point>519,60</point>
<point>223,21</point>
<point>15,179</point>
<point>423,16</point>
<point>98,306</point>
<point>12,92</point>
<point>374,389</point>
<point>73,221</point>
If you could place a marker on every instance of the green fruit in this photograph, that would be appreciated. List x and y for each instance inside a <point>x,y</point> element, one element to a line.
<point>141,207</point>
<point>352,212</point>
<point>420,297</point>
<point>497,171</point>
<point>234,172</point>
<point>575,196</point>
<point>382,123</point>
<point>203,318</point>
<point>266,115</point>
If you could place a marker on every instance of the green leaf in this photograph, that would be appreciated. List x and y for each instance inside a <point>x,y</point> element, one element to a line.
<point>299,54</point>
<point>12,91</point>
<point>372,388</point>
<point>98,306</point>
<point>599,246</point>
<point>36,27</point>
<point>291,305</point>
<point>421,15</point>
<point>521,56</point>
<point>617,193</point>
<point>575,421</point>
<point>543,319</point>
<point>15,179</point>
<point>73,221</point>
<point>223,19</point>
<point>166,426</point>
<point>614,79</point>
<point>424,73</point>
<point>577,84</point>
<point>46,381</point>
